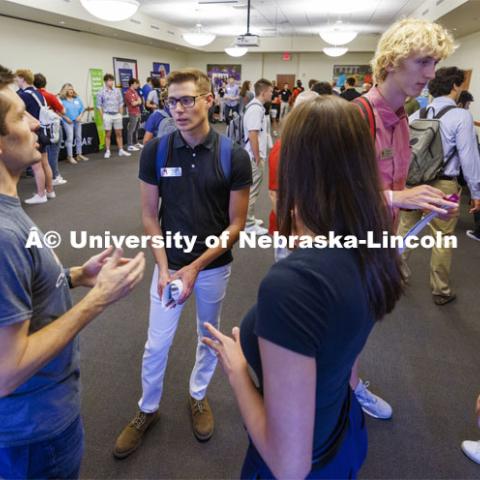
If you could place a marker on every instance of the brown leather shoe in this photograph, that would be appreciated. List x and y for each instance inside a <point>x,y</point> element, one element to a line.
<point>131,437</point>
<point>443,299</point>
<point>202,419</point>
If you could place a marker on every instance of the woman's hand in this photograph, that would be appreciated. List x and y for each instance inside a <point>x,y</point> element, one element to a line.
<point>228,350</point>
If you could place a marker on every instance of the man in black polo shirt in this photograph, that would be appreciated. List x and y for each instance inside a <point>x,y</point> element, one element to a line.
<point>350,92</point>
<point>199,199</point>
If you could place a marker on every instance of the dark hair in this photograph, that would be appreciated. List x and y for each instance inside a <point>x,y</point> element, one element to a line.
<point>156,82</point>
<point>132,81</point>
<point>445,79</point>
<point>351,81</point>
<point>323,88</point>
<point>299,83</point>
<point>464,97</point>
<point>149,79</point>
<point>331,182</point>
<point>245,87</point>
<point>107,77</point>
<point>39,81</point>
<point>311,83</point>
<point>6,78</point>
<point>261,85</point>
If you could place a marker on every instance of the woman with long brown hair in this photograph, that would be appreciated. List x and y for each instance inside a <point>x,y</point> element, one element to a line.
<point>316,308</point>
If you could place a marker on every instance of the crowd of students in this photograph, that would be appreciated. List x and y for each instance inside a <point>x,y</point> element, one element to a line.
<point>303,408</point>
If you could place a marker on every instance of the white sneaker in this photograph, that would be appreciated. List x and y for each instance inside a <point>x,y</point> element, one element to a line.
<point>372,404</point>
<point>59,181</point>
<point>139,146</point>
<point>132,148</point>
<point>71,161</point>
<point>256,229</point>
<point>107,154</point>
<point>472,450</point>
<point>36,199</point>
<point>124,153</point>
<point>471,234</point>
<point>51,194</point>
<point>258,221</point>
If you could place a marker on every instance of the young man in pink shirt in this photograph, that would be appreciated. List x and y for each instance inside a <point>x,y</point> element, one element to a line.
<point>404,62</point>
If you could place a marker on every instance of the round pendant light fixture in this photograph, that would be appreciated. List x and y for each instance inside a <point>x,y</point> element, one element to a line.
<point>198,38</point>
<point>338,37</point>
<point>235,51</point>
<point>111,10</point>
<point>335,51</point>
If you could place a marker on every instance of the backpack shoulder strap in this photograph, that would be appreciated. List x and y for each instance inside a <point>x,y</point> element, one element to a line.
<point>163,149</point>
<point>40,104</point>
<point>225,146</point>
<point>443,111</point>
<point>422,113</point>
<point>366,109</point>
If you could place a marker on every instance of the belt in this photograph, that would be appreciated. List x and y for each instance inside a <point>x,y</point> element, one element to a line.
<point>446,177</point>
<point>112,113</point>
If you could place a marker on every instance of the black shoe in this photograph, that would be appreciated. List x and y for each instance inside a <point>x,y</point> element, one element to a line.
<point>443,299</point>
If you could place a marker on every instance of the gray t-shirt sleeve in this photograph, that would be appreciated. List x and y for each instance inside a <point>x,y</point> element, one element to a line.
<point>15,279</point>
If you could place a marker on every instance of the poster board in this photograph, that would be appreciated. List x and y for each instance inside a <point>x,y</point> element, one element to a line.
<point>160,70</point>
<point>123,70</point>
<point>362,74</point>
<point>219,73</point>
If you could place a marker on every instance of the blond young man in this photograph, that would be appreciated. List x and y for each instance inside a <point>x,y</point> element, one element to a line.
<point>404,62</point>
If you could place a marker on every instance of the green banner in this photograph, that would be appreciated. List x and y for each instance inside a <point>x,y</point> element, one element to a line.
<point>96,84</point>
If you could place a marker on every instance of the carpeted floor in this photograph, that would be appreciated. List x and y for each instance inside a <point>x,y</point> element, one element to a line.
<point>424,359</point>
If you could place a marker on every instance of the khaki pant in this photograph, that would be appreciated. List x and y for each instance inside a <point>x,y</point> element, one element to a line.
<point>441,258</point>
<point>257,178</point>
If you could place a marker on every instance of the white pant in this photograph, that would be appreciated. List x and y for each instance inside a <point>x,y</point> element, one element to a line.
<point>209,289</point>
<point>284,108</point>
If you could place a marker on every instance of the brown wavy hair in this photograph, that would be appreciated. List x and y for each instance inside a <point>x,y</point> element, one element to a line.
<point>329,178</point>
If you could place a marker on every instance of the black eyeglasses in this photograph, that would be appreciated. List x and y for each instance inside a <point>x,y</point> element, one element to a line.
<point>187,101</point>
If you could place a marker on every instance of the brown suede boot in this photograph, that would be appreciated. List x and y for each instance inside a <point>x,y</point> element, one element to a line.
<point>131,437</point>
<point>202,419</point>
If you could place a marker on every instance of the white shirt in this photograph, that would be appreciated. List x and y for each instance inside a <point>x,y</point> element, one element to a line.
<point>255,119</point>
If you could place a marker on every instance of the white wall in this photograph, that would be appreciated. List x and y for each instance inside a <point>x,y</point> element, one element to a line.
<point>304,65</point>
<point>66,56</point>
<point>467,57</point>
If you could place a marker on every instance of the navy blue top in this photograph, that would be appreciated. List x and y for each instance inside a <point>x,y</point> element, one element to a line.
<point>30,104</point>
<point>314,303</point>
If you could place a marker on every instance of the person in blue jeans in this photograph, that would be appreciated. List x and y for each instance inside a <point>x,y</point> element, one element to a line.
<point>41,433</point>
<point>315,309</point>
<point>72,122</point>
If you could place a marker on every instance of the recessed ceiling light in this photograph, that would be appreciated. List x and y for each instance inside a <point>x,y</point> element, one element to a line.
<point>61,22</point>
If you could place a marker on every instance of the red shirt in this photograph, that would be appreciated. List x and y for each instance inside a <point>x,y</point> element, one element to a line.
<point>130,97</point>
<point>273,163</point>
<point>52,101</point>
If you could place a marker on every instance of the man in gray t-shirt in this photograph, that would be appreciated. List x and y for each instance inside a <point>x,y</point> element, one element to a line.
<point>41,434</point>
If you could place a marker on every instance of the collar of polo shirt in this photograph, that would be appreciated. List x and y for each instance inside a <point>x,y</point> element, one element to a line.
<point>208,143</point>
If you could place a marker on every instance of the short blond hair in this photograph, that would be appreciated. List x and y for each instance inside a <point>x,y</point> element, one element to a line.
<point>26,74</point>
<point>199,78</point>
<point>408,37</point>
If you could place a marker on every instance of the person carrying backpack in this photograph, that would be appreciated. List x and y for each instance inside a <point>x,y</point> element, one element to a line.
<point>36,106</point>
<point>442,140</point>
<point>158,124</point>
<point>203,181</point>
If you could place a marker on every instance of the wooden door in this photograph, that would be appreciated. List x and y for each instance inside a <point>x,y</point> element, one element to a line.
<point>282,79</point>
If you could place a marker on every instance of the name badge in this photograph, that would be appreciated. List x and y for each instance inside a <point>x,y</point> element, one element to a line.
<point>171,172</point>
<point>387,153</point>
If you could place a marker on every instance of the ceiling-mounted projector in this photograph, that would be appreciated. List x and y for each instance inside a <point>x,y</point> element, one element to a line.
<point>247,40</point>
